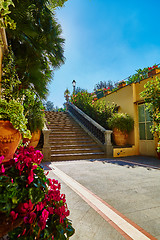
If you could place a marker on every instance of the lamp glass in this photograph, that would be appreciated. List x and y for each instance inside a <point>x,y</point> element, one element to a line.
<point>74,83</point>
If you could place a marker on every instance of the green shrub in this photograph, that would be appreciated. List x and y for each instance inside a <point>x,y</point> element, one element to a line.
<point>121,121</point>
<point>13,111</point>
<point>97,110</point>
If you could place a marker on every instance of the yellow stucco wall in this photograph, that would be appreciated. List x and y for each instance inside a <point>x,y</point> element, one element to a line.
<point>128,98</point>
<point>123,97</point>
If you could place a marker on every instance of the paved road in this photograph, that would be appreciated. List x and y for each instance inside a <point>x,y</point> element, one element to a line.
<point>112,199</point>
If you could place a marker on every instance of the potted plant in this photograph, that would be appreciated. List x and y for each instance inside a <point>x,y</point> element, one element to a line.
<point>35,115</point>
<point>100,93</point>
<point>13,127</point>
<point>106,91</point>
<point>121,84</point>
<point>33,206</point>
<point>153,70</point>
<point>138,76</point>
<point>121,124</point>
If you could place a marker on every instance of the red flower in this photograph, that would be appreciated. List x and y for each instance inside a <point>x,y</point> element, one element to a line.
<point>43,219</point>
<point>24,208</point>
<point>45,214</point>
<point>30,177</point>
<point>2,169</point>
<point>13,215</point>
<point>30,218</point>
<point>42,223</point>
<point>50,210</point>
<point>39,206</point>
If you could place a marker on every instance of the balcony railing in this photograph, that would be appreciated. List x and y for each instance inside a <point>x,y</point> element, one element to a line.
<point>96,130</point>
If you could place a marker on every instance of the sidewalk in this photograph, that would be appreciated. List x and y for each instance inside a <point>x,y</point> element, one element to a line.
<point>132,192</point>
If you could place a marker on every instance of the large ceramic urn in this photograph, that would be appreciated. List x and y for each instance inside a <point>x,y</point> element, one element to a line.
<point>9,140</point>
<point>120,138</point>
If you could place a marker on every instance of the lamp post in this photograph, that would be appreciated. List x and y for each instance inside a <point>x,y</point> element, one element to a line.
<point>74,85</point>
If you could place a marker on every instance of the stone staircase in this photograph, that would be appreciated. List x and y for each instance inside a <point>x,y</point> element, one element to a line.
<point>68,140</point>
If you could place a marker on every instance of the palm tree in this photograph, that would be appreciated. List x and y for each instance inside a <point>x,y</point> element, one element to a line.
<point>36,42</point>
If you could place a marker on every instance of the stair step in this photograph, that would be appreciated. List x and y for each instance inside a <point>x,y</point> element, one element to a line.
<point>68,140</point>
<point>76,150</point>
<point>52,136</point>
<point>70,146</point>
<point>68,135</point>
<point>77,156</point>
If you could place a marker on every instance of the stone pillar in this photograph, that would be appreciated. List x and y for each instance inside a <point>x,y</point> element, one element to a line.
<point>46,150</point>
<point>108,144</point>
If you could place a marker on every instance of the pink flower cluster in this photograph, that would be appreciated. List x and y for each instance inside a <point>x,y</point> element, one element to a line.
<point>2,169</point>
<point>53,203</point>
<point>27,158</point>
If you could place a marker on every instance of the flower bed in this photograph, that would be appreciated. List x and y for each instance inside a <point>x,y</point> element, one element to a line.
<point>29,201</point>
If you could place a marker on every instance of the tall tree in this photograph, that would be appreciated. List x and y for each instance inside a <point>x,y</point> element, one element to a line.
<point>49,106</point>
<point>104,84</point>
<point>36,42</point>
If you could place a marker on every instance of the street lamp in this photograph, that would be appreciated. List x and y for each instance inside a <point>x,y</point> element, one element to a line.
<point>74,85</point>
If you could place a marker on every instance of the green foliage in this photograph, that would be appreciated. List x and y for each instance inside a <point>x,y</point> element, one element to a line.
<point>13,111</point>
<point>141,74</point>
<point>49,106</point>
<point>13,193</point>
<point>79,89</point>
<point>67,94</point>
<point>151,96</point>
<point>52,4</point>
<point>122,122</point>
<point>33,110</point>
<point>36,42</point>
<point>5,20</point>
<point>10,80</point>
<point>27,194</point>
<point>98,111</point>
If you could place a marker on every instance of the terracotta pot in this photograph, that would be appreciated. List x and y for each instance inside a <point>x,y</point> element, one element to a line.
<point>9,140</point>
<point>34,139</point>
<point>107,92</point>
<point>158,154</point>
<point>153,72</point>
<point>119,137</point>
<point>6,224</point>
<point>122,85</point>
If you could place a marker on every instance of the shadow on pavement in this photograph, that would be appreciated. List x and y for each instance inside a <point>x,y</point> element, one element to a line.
<point>132,161</point>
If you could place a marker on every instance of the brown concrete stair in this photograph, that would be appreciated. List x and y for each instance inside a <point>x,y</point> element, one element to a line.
<point>68,140</point>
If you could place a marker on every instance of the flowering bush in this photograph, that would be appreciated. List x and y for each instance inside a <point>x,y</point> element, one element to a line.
<point>154,67</point>
<point>27,194</point>
<point>151,96</point>
<point>97,110</point>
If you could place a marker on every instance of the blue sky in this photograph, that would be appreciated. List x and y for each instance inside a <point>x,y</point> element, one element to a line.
<point>105,40</point>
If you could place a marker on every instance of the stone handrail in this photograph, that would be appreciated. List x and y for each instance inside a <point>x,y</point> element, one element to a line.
<point>100,134</point>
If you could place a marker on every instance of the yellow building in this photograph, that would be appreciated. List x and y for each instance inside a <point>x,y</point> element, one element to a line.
<point>129,101</point>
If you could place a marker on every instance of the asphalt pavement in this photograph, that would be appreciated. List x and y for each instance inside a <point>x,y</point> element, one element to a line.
<point>111,199</point>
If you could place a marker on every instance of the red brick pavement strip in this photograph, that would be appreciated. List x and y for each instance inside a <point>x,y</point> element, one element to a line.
<point>127,228</point>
